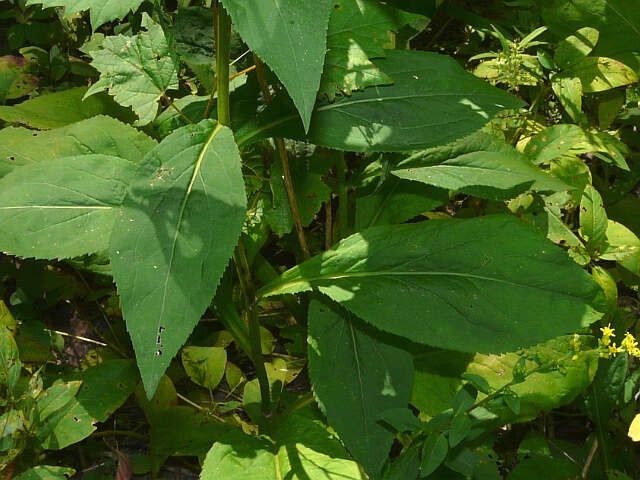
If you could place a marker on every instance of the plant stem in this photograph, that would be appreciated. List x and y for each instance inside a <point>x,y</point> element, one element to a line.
<point>223,51</point>
<point>343,197</point>
<point>251,313</point>
<point>286,170</point>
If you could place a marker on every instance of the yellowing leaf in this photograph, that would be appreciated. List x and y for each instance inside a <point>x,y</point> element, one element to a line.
<point>634,429</point>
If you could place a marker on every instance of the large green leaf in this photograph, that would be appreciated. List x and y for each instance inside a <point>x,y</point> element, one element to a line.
<point>101,134</point>
<point>101,11</point>
<point>299,449</point>
<point>598,74</point>
<point>359,30</point>
<point>355,376</point>
<point>432,101</point>
<point>291,37</point>
<point>488,284</point>
<point>104,388</point>
<point>137,70</point>
<point>438,376</point>
<point>62,108</point>
<point>494,175</point>
<point>576,47</point>
<point>618,22</point>
<point>593,218</point>
<point>62,208</point>
<point>15,81</point>
<point>396,201</point>
<point>175,233</point>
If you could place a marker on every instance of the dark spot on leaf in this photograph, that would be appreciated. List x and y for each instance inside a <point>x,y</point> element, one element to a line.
<point>158,353</point>
<point>337,6</point>
<point>121,386</point>
<point>76,419</point>
<point>12,158</point>
<point>35,134</point>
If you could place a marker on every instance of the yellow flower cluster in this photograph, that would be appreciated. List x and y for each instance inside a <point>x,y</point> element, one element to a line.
<point>609,349</point>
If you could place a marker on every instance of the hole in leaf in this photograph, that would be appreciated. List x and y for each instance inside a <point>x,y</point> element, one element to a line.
<point>12,158</point>
<point>76,419</point>
<point>158,353</point>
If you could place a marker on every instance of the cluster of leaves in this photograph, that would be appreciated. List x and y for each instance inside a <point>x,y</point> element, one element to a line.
<point>261,239</point>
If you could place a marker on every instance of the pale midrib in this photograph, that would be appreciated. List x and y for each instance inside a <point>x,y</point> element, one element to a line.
<point>183,206</point>
<point>392,273</point>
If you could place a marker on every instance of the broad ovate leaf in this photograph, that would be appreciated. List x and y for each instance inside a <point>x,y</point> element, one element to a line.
<point>46,472</point>
<point>62,108</point>
<point>593,218</point>
<point>100,391</point>
<point>173,237</point>
<point>62,208</point>
<point>291,37</point>
<point>359,30</point>
<point>298,449</point>
<point>137,70</point>
<point>100,11</point>
<point>15,79</point>
<point>380,376</point>
<point>576,47</point>
<point>100,135</point>
<point>598,74</point>
<point>495,175</point>
<point>432,101</point>
<point>489,284</point>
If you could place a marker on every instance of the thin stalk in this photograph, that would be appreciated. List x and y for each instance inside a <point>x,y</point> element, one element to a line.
<point>286,170</point>
<point>328,222</point>
<point>223,52</point>
<point>251,316</point>
<point>173,105</point>
<point>343,196</point>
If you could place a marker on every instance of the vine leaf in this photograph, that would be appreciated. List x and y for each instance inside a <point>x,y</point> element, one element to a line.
<point>359,30</point>
<point>64,207</point>
<point>291,38</point>
<point>137,70</point>
<point>490,284</point>
<point>101,11</point>
<point>432,101</point>
<point>174,235</point>
<point>380,377</point>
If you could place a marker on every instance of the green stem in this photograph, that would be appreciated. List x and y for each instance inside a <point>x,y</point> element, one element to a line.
<point>223,52</point>
<point>251,315</point>
<point>343,196</point>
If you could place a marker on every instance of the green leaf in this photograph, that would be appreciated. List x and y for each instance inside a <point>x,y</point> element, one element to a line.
<point>62,208</point>
<point>308,187</point>
<point>204,365</point>
<point>576,47</point>
<point>432,101</point>
<point>602,397</point>
<point>10,365</point>
<point>101,11</point>
<point>569,92</point>
<point>173,238</point>
<point>359,30</point>
<point>439,374</point>
<point>58,109</point>
<point>598,74</point>
<point>299,449</point>
<point>550,468</point>
<point>104,388</point>
<point>593,218</point>
<point>622,246</point>
<point>397,201</point>
<point>291,38</point>
<point>455,293</point>
<point>101,134</point>
<point>434,451</point>
<point>342,353</point>
<point>137,70</point>
<point>46,472</point>
<point>15,82</point>
<point>460,428</point>
<point>498,176</point>
<point>404,467</point>
<point>618,22</point>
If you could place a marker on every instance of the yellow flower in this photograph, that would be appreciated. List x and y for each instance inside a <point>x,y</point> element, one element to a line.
<point>629,342</point>
<point>613,350</point>
<point>634,429</point>
<point>607,333</point>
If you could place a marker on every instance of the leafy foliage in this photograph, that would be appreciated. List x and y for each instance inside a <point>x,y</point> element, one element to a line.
<point>350,239</point>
